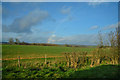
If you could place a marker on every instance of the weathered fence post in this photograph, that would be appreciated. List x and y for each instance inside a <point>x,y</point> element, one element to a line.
<point>19,61</point>
<point>45,58</point>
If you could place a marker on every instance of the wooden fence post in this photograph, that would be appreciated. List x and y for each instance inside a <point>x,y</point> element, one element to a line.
<point>19,61</point>
<point>45,58</point>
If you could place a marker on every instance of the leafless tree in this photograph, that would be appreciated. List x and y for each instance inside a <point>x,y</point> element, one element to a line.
<point>17,41</point>
<point>11,41</point>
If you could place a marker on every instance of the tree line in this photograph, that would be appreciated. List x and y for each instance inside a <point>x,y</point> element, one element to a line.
<point>109,40</point>
<point>16,41</point>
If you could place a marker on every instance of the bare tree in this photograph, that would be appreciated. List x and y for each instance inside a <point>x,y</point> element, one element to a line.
<point>17,41</point>
<point>11,41</point>
<point>112,38</point>
<point>100,38</point>
<point>117,37</point>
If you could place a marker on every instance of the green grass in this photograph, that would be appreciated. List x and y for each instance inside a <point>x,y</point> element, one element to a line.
<point>55,67</point>
<point>28,62</point>
<point>60,71</point>
<point>13,51</point>
<point>103,71</point>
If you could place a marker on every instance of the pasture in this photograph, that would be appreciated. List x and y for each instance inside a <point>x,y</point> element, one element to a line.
<point>27,51</point>
<point>73,63</point>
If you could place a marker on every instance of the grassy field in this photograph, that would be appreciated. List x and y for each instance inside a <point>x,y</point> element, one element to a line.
<point>25,51</point>
<point>55,67</point>
<point>35,68</point>
<point>58,71</point>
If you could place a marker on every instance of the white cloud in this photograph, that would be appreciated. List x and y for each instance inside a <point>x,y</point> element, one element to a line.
<point>24,24</point>
<point>83,39</point>
<point>66,10</point>
<point>76,39</point>
<point>26,37</point>
<point>53,35</point>
<point>112,26</point>
<point>51,38</point>
<point>94,27</point>
<point>67,18</point>
<point>94,3</point>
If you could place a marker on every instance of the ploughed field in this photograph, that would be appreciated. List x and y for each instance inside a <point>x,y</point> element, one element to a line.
<point>53,66</point>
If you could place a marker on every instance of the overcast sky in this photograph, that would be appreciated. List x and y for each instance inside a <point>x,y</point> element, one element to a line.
<point>61,23</point>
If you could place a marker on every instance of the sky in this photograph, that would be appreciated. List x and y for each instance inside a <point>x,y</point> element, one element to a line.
<point>58,22</point>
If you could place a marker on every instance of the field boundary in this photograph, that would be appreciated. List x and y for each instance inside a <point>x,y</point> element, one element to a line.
<point>36,57</point>
<point>32,57</point>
